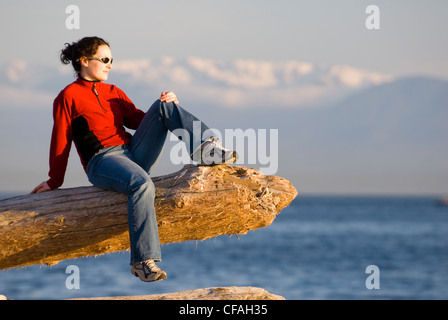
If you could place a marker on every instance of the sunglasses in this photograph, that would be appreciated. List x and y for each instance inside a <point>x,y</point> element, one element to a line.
<point>104,60</point>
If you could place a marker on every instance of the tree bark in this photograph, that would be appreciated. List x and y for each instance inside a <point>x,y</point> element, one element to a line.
<point>195,203</point>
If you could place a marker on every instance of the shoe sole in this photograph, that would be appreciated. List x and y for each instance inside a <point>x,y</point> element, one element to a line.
<point>233,158</point>
<point>161,277</point>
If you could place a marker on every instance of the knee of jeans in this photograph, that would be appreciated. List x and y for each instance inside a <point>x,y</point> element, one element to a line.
<point>143,184</point>
<point>164,108</point>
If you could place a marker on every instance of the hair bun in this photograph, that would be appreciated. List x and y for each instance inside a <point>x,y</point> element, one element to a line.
<point>68,54</point>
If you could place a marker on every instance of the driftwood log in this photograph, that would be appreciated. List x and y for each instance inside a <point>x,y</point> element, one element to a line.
<point>220,293</point>
<point>195,203</point>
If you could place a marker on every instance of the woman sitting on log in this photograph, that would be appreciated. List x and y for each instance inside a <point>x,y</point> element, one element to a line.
<point>93,114</point>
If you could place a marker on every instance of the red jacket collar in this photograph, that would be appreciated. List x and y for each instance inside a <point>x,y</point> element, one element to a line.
<point>86,83</point>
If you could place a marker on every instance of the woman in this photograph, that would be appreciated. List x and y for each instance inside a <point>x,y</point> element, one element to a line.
<point>93,115</point>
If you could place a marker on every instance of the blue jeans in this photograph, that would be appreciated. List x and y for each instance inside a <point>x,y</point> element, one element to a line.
<point>127,168</point>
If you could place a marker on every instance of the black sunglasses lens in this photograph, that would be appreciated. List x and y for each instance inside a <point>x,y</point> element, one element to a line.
<point>106,60</point>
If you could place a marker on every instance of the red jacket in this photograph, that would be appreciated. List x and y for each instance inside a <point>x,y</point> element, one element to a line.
<point>93,115</point>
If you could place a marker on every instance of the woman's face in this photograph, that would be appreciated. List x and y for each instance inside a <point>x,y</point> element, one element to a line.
<point>96,70</point>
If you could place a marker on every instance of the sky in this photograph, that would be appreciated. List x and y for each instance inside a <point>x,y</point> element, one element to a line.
<point>410,39</point>
<point>410,42</point>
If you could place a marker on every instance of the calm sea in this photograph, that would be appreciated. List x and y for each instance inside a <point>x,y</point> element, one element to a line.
<point>317,248</point>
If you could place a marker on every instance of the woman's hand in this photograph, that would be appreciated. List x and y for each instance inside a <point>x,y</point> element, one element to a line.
<point>168,97</point>
<point>41,188</point>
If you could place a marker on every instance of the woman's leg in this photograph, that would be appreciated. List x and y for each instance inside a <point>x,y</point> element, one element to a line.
<point>148,141</point>
<point>116,170</point>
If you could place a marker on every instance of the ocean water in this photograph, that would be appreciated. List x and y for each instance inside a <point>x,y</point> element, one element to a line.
<point>317,248</point>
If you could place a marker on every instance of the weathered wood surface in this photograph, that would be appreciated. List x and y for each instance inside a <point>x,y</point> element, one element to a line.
<point>220,293</point>
<point>195,203</point>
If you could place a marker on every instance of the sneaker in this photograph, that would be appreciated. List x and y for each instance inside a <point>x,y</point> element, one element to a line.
<point>148,271</point>
<point>211,152</point>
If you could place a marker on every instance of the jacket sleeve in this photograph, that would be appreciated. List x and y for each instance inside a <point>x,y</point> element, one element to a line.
<point>61,141</point>
<point>132,115</point>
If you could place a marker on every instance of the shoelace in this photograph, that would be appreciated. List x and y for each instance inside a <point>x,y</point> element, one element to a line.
<point>216,145</point>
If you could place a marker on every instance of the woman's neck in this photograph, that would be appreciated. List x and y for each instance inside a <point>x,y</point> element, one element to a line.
<point>88,80</point>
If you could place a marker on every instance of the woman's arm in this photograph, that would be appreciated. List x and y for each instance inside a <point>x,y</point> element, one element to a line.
<point>132,115</point>
<point>61,140</point>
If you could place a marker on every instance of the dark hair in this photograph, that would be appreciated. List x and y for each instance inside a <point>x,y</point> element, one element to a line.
<point>86,47</point>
